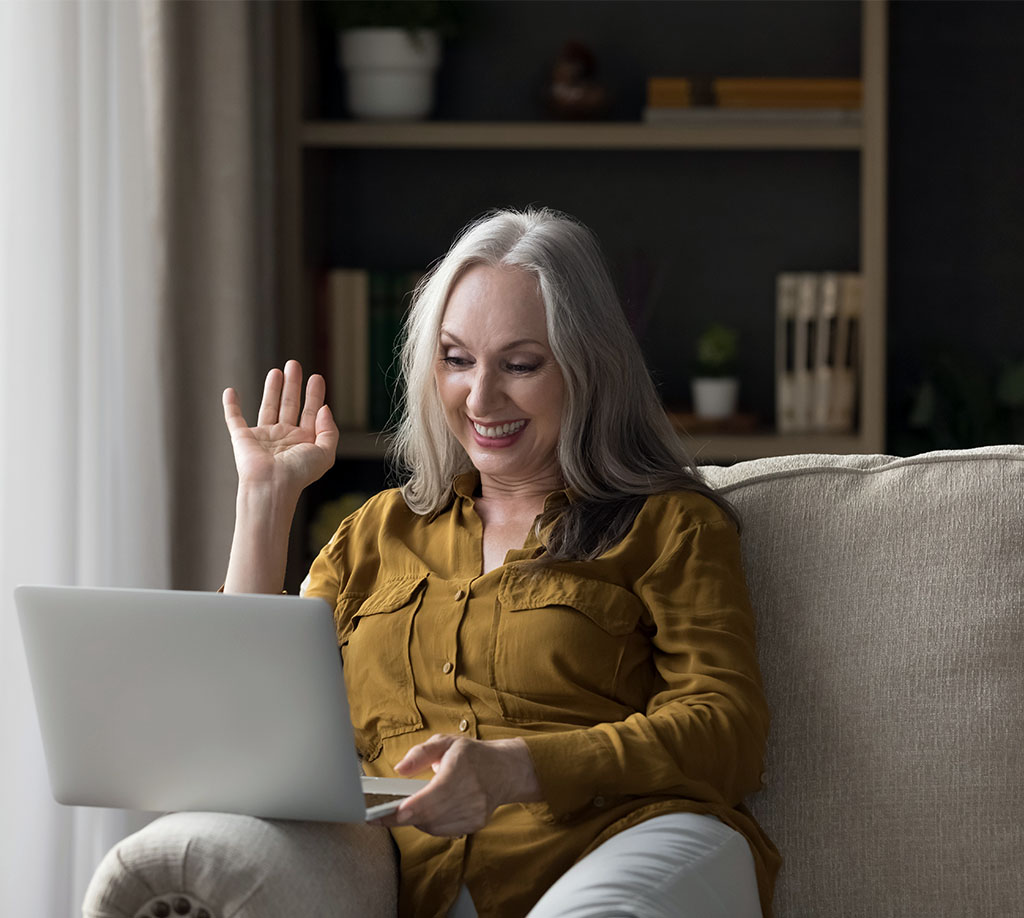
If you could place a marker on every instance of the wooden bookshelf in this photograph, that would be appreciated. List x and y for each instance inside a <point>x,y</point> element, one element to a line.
<point>865,137</point>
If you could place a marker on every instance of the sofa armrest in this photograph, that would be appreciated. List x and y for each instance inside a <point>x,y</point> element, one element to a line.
<point>240,867</point>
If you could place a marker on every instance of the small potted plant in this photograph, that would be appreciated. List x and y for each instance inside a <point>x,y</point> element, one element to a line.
<point>715,386</point>
<point>389,51</point>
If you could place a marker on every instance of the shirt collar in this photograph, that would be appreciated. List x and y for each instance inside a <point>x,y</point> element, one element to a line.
<point>467,486</point>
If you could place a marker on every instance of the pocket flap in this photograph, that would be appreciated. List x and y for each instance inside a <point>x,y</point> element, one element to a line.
<point>391,596</point>
<point>609,606</point>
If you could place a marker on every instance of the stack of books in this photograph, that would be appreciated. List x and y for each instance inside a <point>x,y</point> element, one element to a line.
<point>669,99</point>
<point>817,347</point>
<point>361,315</point>
<point>679,100</point>
<point>787,93</point>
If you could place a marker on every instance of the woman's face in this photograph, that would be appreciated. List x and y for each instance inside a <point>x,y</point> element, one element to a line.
<point>499,383</point>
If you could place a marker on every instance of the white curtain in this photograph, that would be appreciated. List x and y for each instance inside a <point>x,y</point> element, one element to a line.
<point>83,467</point>
<point>136,281</point>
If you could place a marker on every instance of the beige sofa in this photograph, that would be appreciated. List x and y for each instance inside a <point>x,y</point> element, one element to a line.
<point>890,601</point>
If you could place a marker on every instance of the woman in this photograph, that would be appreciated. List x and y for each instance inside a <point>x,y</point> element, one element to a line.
<point>550,616</point>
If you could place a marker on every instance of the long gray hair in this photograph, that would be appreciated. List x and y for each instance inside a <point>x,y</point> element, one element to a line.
<point>616,446</point>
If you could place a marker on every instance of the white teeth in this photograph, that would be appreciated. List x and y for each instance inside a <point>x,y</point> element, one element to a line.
<point>502,430</point>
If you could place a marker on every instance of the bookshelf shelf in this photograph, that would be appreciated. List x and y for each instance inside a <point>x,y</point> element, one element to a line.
<point>747,134</point>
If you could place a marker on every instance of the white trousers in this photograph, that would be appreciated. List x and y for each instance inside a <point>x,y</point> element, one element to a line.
<point>683,865</point>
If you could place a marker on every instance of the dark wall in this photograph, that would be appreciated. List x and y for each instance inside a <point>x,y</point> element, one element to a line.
<point>956,218</point>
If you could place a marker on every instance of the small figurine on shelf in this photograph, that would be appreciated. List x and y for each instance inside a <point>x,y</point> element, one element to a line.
<point>715,386</point>
<point>573,92</point>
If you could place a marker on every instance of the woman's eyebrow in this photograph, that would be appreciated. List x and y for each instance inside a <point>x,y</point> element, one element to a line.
<point>445,333</point>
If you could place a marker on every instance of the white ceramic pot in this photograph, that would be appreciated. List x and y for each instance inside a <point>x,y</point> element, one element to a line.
<point>390,72</point>
<point>715,397</point>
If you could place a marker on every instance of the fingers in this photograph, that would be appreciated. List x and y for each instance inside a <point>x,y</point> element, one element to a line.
<point>233,411</point>
<point>326,432</point>
<point>457,800</point>
<point>423,756</point>
<point>270,407</point>
<point>282,398</point>
<point>315,390</point>
<point>454,803</point>
<point>291,394</point>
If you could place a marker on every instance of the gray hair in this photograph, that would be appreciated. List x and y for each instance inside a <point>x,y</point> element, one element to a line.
<point>617,444</point>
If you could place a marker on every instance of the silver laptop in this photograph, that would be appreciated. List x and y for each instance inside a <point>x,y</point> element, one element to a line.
<point>165,700</point>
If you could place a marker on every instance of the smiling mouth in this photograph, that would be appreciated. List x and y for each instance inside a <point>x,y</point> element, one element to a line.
<point>499,430</point>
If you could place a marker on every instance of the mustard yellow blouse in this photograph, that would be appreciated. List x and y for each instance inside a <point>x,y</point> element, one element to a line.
<point>632,678</point>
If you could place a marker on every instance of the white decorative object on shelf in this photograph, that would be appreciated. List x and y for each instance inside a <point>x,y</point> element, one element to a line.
<point>390,72</point>
<point>715,397</point>
<point>715,386</point>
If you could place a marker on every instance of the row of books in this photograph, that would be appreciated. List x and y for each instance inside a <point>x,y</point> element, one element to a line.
<point>361,315</point>
<point>817,351</point>
<point>681,99</point>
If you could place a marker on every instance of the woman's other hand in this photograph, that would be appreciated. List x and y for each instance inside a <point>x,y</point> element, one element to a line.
<point>471,779</point>
<point>286,449</point>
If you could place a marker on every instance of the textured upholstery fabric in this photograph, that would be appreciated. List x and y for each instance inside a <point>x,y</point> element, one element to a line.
<point>241,867</point>
<point>889,595</point>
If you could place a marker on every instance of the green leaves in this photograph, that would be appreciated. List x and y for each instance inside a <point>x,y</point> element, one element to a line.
<point>717,350</point>
<point>443,15</point>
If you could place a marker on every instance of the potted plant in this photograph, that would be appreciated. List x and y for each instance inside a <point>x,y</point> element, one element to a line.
<point>715,387</point>
<point>390,51</point>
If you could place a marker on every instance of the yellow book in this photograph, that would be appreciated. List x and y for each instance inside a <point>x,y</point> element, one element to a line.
<point>669,92</point>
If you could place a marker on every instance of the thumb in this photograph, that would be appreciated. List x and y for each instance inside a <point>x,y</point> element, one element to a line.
<point>326,430</point>
<point>425,755</point>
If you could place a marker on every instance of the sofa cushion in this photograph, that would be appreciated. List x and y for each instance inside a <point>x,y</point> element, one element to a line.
<point>889,595</point>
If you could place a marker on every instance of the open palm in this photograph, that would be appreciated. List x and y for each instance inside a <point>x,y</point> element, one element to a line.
<point>287,448</point>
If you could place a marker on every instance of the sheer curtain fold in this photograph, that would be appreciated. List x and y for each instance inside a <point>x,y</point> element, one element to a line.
<point>130,295</point>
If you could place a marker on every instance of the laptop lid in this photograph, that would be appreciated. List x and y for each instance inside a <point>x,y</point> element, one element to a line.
<point>174,700</point>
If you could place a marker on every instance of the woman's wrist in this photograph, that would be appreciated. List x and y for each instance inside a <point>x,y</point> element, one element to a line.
<point>267,498</point>
<point>521,782</point>
<point>259,548</point>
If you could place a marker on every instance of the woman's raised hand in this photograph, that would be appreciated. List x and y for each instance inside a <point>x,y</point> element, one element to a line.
<point>286,449</point>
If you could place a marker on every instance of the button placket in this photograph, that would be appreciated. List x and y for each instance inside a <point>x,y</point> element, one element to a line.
<point>448,667</point>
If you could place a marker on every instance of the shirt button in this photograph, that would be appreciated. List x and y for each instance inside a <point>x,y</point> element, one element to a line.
<point>764,777</point>
<point>599,801</point>
<point>447,668</point>
<point>460,594</point>
<point>463,725</point>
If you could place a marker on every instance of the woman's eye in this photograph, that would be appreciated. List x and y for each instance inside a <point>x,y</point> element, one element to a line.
<point>522,367</point>
<point>455,362</point>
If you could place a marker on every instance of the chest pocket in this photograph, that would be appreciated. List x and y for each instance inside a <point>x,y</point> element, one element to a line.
<point>378,672</point>
<point>559,644</point>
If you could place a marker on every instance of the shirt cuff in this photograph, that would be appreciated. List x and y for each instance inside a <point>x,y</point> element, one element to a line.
<point>569,771</point>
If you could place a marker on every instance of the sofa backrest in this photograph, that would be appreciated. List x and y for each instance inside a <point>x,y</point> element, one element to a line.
<point>889,594</point>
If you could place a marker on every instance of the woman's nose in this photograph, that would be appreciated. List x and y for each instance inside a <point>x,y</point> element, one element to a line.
<point>484,395</point>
